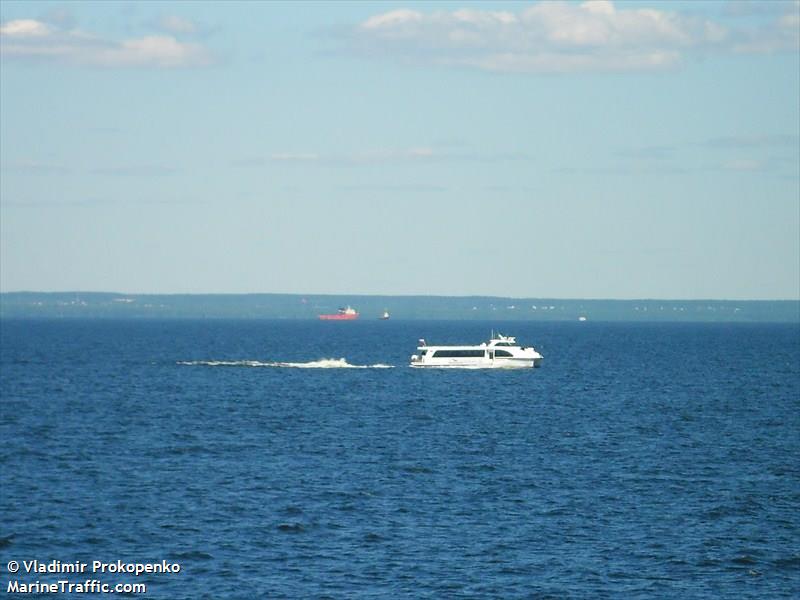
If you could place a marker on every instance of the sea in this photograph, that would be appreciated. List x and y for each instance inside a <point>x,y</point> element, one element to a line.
<point>305,459</point>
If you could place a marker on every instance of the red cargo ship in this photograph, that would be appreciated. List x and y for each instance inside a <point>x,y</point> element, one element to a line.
<point>344,314</point>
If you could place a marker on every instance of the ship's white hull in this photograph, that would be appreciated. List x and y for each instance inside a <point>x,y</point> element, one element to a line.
<point>478,363</point>
<point>501,352</point>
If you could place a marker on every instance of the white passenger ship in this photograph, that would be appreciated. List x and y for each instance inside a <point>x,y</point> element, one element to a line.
<point>499,352</point>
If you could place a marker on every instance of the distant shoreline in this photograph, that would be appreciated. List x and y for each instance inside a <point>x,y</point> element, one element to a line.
<point>371,307</point>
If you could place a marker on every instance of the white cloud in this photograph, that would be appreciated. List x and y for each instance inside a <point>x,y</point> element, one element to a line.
<point>35,40</point>
<point>560,37</point>
<point>176,25</point>
<point>24,28</point>
<point>600,24</point>
<point>780,34</point>
<point>294,157</point>
<point>393,18</point>
<point>154,50</point>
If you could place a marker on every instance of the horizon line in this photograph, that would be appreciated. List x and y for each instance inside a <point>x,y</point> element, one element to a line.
<point>408,295</point>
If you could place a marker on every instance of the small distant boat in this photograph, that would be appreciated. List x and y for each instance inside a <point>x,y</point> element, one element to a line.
<point>581,319</point>
<point>385,315</point>
<point>499,352</point>
<point>344,314</point>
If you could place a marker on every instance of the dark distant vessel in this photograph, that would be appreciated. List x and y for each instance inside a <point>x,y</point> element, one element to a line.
<point>344,314</point>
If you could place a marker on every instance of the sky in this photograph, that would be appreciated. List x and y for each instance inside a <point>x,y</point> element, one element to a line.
<point>517,149</point>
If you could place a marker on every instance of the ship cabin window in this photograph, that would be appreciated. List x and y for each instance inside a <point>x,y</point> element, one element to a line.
<point>504,344</point>
<point>458,354</point>
<point>502,354</point>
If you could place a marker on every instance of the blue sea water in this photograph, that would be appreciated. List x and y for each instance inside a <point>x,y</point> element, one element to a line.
<point>640,461</point>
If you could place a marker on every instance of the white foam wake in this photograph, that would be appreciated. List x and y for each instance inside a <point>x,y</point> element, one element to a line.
<point>323,363</point>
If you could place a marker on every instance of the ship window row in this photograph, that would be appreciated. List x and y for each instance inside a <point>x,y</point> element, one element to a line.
<point>459,354</point>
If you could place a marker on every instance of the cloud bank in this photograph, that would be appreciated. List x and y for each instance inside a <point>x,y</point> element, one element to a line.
<point>563,37</point>
<point>35,40</point>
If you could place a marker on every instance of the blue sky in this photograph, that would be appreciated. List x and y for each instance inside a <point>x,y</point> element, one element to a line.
<point>529,149</point>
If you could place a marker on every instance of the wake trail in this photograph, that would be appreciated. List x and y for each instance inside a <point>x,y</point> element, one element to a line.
<point>323,363</point>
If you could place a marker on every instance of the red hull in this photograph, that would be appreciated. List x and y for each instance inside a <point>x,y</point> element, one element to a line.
<point>338,317</point>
